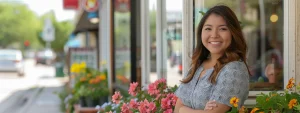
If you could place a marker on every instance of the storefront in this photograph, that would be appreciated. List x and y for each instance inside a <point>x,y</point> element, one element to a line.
<point>145,40</point>
<point>120,42</point>
<point>269,27</point>
<point>85,37</point>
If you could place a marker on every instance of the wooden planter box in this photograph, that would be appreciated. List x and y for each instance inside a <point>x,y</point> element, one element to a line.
<point>79,109</point>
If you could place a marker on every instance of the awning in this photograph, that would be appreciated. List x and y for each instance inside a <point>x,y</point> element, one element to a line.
<point>83,24</point>
<point>73,43</point>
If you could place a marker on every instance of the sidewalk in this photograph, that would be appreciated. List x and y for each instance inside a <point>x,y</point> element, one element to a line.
<point>45,102</point>
<point>40,99</point>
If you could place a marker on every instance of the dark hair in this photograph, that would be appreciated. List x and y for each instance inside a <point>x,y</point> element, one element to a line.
<point>236,51</point>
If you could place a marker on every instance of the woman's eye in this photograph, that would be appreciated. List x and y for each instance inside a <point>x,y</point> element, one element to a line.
<point>207,29</point>
<point>223,29</point>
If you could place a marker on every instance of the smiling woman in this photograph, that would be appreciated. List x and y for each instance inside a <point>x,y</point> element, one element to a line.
<point>218,70</point>
<point>262,26</point>
<point>216,36</point>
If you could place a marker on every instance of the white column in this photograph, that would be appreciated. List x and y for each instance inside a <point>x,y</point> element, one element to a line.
<point>145,42</point>
<point>104,38</point>
<point>161,54</point>
<point>187,34</point>
<point>297,23</point>
<point>289,40</point>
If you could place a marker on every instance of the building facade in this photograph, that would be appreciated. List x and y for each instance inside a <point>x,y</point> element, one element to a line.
<point>142,40</point>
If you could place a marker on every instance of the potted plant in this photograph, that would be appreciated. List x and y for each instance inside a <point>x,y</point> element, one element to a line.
<point>91,88</point>
<point>280,102</point>
<point>158,98</point>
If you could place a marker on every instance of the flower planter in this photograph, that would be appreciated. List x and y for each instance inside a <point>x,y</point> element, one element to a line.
<point>91,102</point>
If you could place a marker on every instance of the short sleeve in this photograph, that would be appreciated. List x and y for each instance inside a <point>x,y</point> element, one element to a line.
<point>231,83</point>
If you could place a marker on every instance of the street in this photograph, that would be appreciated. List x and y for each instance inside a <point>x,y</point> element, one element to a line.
<point>32,92</point>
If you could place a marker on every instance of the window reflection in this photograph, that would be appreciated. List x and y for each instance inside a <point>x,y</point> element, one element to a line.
<point>122,43</point>
<point>172,44</point>
<point>262,24</point>
<point>173,36</point>
<point>152,19</point>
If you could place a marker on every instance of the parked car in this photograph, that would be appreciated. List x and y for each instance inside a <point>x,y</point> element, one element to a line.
<point>46,57</point>
<point>11,61</point>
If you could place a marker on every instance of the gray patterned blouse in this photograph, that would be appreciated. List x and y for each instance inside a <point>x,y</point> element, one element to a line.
<point>233,80</point>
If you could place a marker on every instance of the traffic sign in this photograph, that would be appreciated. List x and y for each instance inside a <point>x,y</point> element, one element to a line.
<point>48,31</point>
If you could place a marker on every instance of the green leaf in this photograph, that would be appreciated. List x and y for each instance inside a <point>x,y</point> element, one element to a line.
<point>203,13</point>
<point>297,107</point>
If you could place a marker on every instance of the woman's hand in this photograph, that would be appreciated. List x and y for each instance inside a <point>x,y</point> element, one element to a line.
<point>210,105</point>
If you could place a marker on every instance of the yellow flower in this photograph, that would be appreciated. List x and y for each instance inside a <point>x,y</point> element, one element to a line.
<point>77,68</point>
<point>74,68</point>
<point>267,99</point>
<point>261,112</point>
<point>82,65</point>
<point>242,109</point>
<point>254,110</point>
<point>291,84</point>
<point>102,77</point>
<point>234,101</point>
<point>292,103</point>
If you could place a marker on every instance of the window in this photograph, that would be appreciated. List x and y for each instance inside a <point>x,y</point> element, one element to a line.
<point>168,46</point>
<point>262,25</point>
<point>122,52</point>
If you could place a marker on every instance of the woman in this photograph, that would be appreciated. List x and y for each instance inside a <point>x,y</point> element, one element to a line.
<point>219,70</point>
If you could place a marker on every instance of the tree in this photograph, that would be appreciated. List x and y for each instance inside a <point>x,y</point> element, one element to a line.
<point>17,24</point>
<point>62,31</point>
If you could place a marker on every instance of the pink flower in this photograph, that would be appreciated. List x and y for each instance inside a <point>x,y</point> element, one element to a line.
<point>125,109</point>
<point>166,103</point>
<point>152,89</point>
<point>146,107</point>
<point>156,87</point>
<point>168,111</point>
<point>116,97</point>
<point>133,104</point>
<point>169,101</point>
<point>133,88</point>
<point>174,100</point>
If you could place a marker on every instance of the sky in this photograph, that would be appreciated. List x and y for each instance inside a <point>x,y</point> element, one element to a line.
<point>171,5</point>
<point>41,7</point>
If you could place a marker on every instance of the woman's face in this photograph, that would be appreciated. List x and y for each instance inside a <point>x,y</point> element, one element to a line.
<point>216,36</point>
